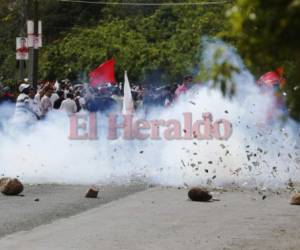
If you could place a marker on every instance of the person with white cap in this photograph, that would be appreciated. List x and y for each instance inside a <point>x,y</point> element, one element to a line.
<point>25,114</point>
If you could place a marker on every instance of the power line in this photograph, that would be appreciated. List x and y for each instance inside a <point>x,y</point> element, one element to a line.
<point>146,4</point>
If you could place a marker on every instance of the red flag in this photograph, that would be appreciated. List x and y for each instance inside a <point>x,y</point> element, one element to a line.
<point>280,71</point>
<point>272,78</point>
<point>105,73</point>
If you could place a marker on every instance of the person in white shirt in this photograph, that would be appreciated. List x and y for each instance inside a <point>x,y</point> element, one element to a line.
<point>69,105</point>
<point>46,104</point>
<point>54,97</point>
<point>40,93</point>
<point>25,112</point>
<point>37,98</point>
<point>34,105</point>
<point>82,102</point>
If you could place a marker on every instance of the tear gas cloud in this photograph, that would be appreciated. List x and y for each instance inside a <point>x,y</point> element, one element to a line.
<point>259,152</point>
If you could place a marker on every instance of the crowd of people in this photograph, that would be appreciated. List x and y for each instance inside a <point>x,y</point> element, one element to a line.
<point>34,104</point>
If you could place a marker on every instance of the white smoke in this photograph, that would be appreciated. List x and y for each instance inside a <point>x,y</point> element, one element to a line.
<point>258,152</point>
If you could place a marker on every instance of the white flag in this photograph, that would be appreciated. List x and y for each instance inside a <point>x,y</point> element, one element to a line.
<point>128,105</point>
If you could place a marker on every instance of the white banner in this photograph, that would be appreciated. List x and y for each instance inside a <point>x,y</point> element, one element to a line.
<point>40,35</point>
<point>30,31</point>
<point>34,41</point>
<point>21,48</point>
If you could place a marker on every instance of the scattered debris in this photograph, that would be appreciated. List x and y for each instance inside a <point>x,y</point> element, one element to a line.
<point>255,163</point>
<point>92,193</point>
<point>295,200</point>
<point>37,199</point>
<point>249,157</point>
<point>259,150</point>
<point>199,194</point>
<point>182,162</point>
<point>9,186</point>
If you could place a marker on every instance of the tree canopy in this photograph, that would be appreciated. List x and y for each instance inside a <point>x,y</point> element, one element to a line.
<point>267,34</point>
<point>158,43</point>
<point>145,40</point>
<point>164,41</point>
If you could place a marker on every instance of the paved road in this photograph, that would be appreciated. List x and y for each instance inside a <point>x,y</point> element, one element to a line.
<point>54,201</point>
<point>161,218</point>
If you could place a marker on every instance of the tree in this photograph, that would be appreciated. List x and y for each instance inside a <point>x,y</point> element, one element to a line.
<point>164,40</point>
<point>267,34</point>
<point>158,42</point>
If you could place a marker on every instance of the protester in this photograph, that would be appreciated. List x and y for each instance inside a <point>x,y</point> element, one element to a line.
<point>46,104</point>
<point>33,104</point>
<point>40,92</point>
<point>6,96</point>
<point>79,100</point>
<point>184,86</point>
<point>181,89</point>
<point>69,105</point>
<point>73,98</point>
<point>54,97</point>
<point>25,114</point>
<point>60,99</point>
<point>116,96</point>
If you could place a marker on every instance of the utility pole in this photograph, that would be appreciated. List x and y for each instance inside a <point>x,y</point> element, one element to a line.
<point>22,64</point>
<point>33,51</point>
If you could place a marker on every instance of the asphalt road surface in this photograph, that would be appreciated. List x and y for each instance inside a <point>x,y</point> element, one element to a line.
<point>163,218</point>
<point>40,204</point>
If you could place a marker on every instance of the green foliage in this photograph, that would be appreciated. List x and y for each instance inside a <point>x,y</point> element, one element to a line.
<point>8,22</point>
<point>145,40</point>
<point>267,34</point>
<point>220,73</point>
<point>165,39</point>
